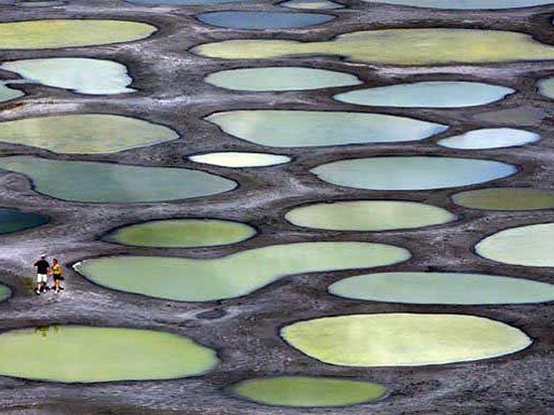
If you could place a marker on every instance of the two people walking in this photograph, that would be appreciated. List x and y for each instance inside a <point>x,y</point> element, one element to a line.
<point>44,270</point>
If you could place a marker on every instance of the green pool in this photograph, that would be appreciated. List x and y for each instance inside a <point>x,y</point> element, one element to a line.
<point>506,198</point>
<point>7,93</point>
<point>305,391</point>
<point>99,354</point>
<point>85,133</point>
<point>442,288</point>
<point>13,220</point>
<point>63,33</point>
<point>84,181</point>
<point>182,233</point>
<point>465,4</point>
<point>235,275</point>
<point>283,128</point>
<point>368,215</point>
<point>398,339</point>
<point>5,292</point>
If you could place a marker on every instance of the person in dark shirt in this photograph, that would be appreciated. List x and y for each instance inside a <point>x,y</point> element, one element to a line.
<point>42,266</point>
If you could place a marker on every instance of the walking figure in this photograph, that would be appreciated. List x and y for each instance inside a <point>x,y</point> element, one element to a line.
<point>42,266</point>
<point>57,274</point>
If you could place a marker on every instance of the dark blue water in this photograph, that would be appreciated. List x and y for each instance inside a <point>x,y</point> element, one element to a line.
<point>12,220</point>
<point>263,20</point>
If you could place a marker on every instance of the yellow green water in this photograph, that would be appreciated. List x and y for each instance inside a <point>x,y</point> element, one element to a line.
<point>235,275</point>
<point>63,33</point>
<point>399,339</point>
<point>369,215</point>
<point>5,292</point>
<point>99,354</point>
<point>506,198</point>
<point>465,4</point>
<point>530,245</point>
<point>442,288</point>
<point>182,233</point>
<point>304,391</point>
<point>395,47</point>
<point>85,133</point>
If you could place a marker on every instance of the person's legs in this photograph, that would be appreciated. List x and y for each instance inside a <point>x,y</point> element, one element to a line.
<point>57,284</point>
<point>41,282</point>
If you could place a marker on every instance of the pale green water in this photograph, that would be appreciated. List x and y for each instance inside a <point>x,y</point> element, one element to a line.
<point>395,47</point>
<point>282,128</point>
<point>85,133</point>
<point>235,275</point>
<point>490,138</point>
<point>13,220</point>
<point>506,198</point>
<point>263,20</point>
<point>238,160</point>
<point>465,4</point>
<point>280,79</point>
<point>63,33</point>
<point>85,181</point>
<point>82,75</point>
<point>7,93</point>
<point>303,391</point>
<point>531,246</point>
<point>182,233</point>
<point>442,288</point>
<point>411,173</point>
<point>39,3</point>
<point>94,354</point>
<point>5,292</point>
<point>427,94</point>
<point>368,215</point>
<point>397,339</point>
<point>546,87</point>
<point>311,4</point>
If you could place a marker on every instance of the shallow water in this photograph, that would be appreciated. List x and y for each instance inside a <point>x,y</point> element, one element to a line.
<point>7,93</point>
<point>370,340</point>
<point>97,354</point>
<point>282,128</point>
<point>506,198</point>
<point>311,4</point>
<point>182,233</point>
<point>304,392</point>
<point>85,133</point>
<point>96,182</point>
<point>427,94</point>
<point>238,160</point>
<point>13,220</point>
<point>375,215</point>
<point>411,173</point>
<point>63,33</point>
<point>40,3</point>
<point>233,275</point>
<point>82,75</point>
<point>395,47</point>
<point>465,4</point>
<point>280,79</point>
<point>263,20</point>
<point>546,87</point>
<point>184,2</point>
<point>531,246</point>
<point>442,288</point>
<point>490,138</point>
<point>5,292</point>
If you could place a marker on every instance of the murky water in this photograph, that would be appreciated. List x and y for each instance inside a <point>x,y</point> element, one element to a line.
<point>530,246</point>
<point>465,4</point>
<point>186,279</point>
<point>280,79</point>
<point>96,182</point>
<point>12,220</point>
<point>506,198</point>
<point>100,354</point>
<point>303,391</point>
<point>82,75</point>
<point>393,339</point>
<point>490,138</point>
<point>375,215</point>
<point>442,288</point>
<point>238,160</point>
<point>282,128</point>
<point>63,33</point>
<point>5,292</point>
<point>427,94</point>
<point>85,133</point>
<point>263,20</point>
<point>395,47</point>
<point>311,4</point>
<point>411,173</point>
<point>182,233</point>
